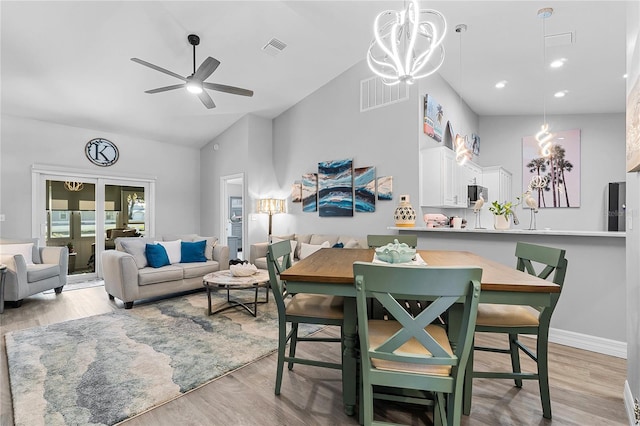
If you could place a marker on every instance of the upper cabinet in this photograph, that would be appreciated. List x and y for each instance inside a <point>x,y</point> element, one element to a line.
<point>443,183</point>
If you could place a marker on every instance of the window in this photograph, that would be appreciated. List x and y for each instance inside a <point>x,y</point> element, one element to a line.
<point>59,224</point>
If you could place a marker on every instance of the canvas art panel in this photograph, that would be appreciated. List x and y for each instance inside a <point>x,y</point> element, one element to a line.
<point>335,188</point>
<point>433,118</point>
<point>385,188</point>
<point>296,192</point>
<point>555,180</point>
<point>310,192</point>
<point>633,128</point>
<point>474,144</point>
<point>364,182</point>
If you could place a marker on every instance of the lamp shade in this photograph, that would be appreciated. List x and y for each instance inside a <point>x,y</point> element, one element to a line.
<point>270,206</point>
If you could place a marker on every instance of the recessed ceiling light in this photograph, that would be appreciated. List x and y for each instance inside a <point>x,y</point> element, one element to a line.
<point>501,84</point>
<point>558,63</point>
<point>624,76</point>
<point>561,93</point>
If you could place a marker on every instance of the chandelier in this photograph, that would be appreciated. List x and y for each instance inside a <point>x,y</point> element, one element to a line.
<point>544,137</point>
<point>73,186</point>
<point>406,48</point>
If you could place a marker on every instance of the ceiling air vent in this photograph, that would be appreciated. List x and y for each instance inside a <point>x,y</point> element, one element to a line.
<point>274,47</point>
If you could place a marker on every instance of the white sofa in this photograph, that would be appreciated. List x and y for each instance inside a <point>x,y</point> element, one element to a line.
<point>32,269</point>
<point>128,277</point>
<point>258,251</point>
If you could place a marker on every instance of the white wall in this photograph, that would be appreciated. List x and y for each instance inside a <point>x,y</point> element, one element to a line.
<point>602,161</point>
<point>25,142</point>
<point>633,227</point>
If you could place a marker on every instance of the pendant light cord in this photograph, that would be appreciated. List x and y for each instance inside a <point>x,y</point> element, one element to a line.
<point>544,73</point>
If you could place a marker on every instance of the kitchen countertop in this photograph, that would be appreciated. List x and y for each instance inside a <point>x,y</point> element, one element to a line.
<point>607,234</point>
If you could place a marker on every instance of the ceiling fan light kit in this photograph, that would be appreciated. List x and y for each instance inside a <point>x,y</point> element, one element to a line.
<point>195,83</point>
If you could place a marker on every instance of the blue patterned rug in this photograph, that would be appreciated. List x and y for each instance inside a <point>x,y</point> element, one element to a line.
<point>104,369</point>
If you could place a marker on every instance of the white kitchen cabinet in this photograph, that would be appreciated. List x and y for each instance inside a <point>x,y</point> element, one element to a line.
<point>498,181</point>
<point>443,183</point>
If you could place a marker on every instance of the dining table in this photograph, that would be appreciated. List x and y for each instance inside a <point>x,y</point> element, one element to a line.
<point>330,271</point>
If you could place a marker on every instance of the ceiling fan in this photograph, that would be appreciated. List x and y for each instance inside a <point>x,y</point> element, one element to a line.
<point>195,82</point>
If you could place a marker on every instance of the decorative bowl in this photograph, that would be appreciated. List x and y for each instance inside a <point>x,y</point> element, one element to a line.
<point>396,253</point>
<point>244,270</point>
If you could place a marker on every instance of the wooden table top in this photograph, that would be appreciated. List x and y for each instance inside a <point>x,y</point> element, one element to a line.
<point>329,265</point>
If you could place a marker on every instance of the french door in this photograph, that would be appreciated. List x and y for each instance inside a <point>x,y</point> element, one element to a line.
<point>87,212</point>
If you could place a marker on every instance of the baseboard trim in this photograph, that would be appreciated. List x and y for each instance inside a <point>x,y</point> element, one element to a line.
<point>589,343</point>
<point>629,404</point>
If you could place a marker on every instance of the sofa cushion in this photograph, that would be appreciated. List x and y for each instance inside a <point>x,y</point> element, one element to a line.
<point>135,247</point>
<point>211,243</point>
<point>293,243</point>
<point>192,252</point>
<point>184,237</point>
<point>156,255</point>
<point>26,250</point>
<point>173,250</point>
<point>39,272</point>
<point>301,238</point>
<point>317,239</point>
<point>200,269</point>
<point>308,249</point>
<point>261,263</point>
<point>147,276</point>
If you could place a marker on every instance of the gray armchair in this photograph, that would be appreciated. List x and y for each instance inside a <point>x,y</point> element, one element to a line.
<point>44,268</point>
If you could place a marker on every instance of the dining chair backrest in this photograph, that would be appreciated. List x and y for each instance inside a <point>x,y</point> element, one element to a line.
<point>374,241</point>
<point>553,262</point>
<point>278,259</point>
<point>443,285</point>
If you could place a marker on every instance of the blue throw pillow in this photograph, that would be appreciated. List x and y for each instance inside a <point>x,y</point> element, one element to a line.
<point>192,252</point>
<point>338,245</point>
<point>156,255</point>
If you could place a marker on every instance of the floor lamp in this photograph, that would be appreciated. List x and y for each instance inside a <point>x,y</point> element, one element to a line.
<point>270,206</point>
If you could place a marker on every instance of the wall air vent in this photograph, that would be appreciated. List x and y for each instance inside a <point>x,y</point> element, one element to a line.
<point>375,94</point>
<point>274,47</point>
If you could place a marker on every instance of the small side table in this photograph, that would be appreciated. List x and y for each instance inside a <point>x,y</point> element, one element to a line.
<point>224,280</point>
<point>3,275</point>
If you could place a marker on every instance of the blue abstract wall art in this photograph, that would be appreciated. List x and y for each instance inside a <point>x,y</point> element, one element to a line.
<point>364,182</point>
<point>309,192</point>
<point>335,188</point>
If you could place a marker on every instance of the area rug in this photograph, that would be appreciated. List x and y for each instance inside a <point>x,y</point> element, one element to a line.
<point>103,369</point>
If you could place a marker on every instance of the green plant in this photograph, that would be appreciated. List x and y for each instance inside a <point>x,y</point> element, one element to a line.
<point>70,246</point>
<point>504,209</point>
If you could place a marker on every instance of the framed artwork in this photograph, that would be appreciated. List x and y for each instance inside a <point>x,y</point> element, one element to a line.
<point>633,128</point>
<point>554,181</point>
<point>474,144</point>
<point>296,192</point>
<point>335,188</point>
<point>433,118</point>
<point>364,182</point>
<point>449,135</point>
<point>385,187</point>
<point>310,192</point>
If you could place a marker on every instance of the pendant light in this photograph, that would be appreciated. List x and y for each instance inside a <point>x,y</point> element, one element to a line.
<point>544,137</point>
<point>462,153</point>
<point>407,44</point>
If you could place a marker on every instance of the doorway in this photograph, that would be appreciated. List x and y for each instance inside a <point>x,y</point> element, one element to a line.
<point>232,214</point>
<point>86,213</point>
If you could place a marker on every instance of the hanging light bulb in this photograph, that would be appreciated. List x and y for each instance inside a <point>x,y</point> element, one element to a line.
<point>405,48</point>
<point>544,137</point>
<point>462,152</point>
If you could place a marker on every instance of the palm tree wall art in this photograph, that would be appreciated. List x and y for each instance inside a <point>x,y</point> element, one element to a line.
<point>560,170</point>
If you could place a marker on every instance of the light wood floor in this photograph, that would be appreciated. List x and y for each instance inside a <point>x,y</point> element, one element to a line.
<point>586,388</point>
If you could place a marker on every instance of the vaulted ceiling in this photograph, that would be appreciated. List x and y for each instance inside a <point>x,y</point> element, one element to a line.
<point>69,62</point>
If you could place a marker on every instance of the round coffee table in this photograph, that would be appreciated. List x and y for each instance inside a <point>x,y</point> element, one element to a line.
<point>224,280</point>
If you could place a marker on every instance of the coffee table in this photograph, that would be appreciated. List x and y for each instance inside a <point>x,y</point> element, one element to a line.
<point>224,280</point>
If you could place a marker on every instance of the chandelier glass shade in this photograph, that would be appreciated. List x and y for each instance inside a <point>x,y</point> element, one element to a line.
<point>407,44</point>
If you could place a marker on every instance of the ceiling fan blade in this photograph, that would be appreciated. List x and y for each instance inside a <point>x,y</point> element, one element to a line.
<point>164,89</point>
<point>228,89</point>
<point>157,68</point>
<point>206,68</point>
<point>206,99</point>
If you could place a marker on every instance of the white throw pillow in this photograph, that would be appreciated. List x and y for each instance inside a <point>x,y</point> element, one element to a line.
<point>173,249</point>
<point>293,243</point>
<point>307,250</point>
<point>26,250</point>
<point>352,244</point>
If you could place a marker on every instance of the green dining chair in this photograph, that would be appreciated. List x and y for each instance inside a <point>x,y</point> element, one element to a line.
<point>407,356</point>
<point>515,319</point>
<point>299,308</point>
<point>374,241</point>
